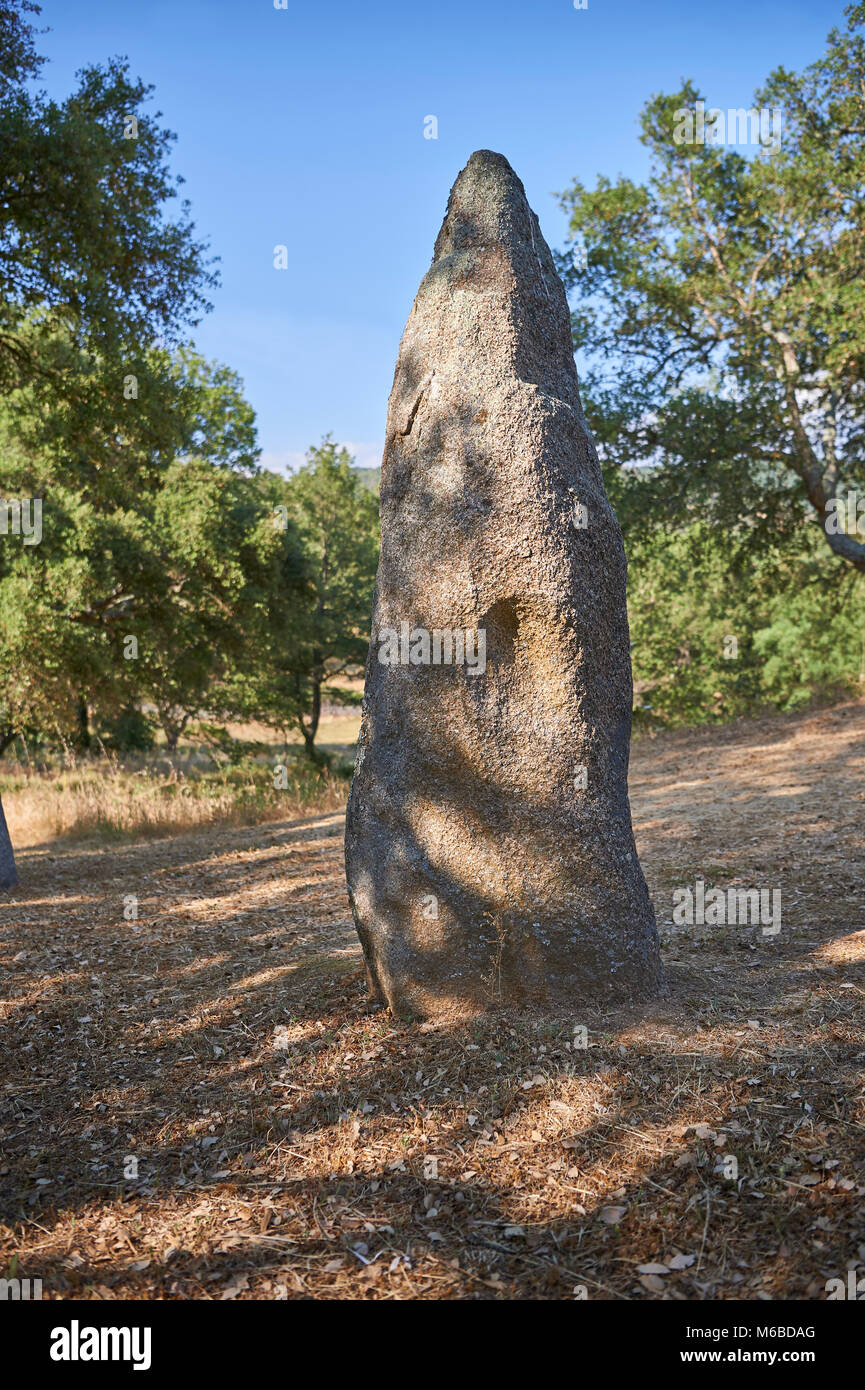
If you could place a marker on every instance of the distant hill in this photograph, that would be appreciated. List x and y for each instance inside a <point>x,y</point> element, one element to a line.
<point>370,477</point>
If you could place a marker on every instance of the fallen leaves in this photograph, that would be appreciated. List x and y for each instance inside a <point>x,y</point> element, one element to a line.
<point>289,1144</point>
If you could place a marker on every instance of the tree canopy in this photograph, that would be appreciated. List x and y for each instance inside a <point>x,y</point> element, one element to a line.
<point>88,253</point>
<point>721,310</point>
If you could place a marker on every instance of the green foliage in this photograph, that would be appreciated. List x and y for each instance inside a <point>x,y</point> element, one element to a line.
<point>146,540</point>
<point>719,631</point>
<point>341,695</point>
<point>722,316</point>
<point>722,312</point>
<point>128,731</point>
<point>318,622</point>
<point>720,321</point>
<point>161,581</point>
<point>85,247</point>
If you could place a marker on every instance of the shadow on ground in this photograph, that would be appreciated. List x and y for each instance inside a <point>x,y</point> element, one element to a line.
<point>196,1101</point>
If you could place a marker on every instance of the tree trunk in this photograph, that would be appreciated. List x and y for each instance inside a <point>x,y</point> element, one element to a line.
<point>82,726</point>
<point>172,726</point>
<point>310,729</point>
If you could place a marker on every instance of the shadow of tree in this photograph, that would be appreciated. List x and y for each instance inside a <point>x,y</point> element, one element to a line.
<point>223,1042</point>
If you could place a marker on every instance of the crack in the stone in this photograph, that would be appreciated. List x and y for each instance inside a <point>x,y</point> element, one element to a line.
<point>416,407</point>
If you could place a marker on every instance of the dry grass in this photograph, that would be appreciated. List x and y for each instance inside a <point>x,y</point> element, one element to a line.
<point>337,732</point>
<point>113,803</point>
<point>291,1144</point>
<point>154,795</point>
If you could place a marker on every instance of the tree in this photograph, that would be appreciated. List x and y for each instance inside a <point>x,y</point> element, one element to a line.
<point>719,633</point>
<point>209,523</point>
<point>151,565</point>
<point>722,311</point>
<point>149,562</point>
<point>318,625</point>
<point>86,251</point>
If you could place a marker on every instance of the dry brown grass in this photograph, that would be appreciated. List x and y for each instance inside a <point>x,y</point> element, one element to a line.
<point>113,803</point>
<point>101,799</point>
<point>284,1135</point>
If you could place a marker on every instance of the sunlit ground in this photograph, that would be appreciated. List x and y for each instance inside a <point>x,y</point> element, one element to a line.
<point>197,1104</point>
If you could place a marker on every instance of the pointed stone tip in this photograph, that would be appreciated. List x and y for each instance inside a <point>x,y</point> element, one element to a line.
<point>489,170</point>
<point>488,157</point>
<point>483,189</point>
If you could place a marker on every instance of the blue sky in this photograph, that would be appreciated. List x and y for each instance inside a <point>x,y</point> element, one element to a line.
<point>304,127</point>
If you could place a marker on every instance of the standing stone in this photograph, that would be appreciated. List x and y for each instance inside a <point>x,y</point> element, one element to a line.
<point>489,851</point>
<point>8,872</point>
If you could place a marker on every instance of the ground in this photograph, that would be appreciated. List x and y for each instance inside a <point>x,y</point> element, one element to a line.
<point>197,1103</point>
